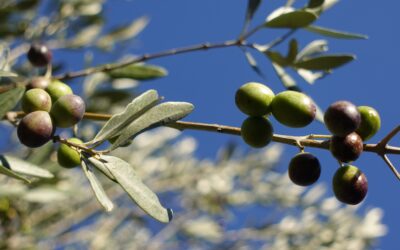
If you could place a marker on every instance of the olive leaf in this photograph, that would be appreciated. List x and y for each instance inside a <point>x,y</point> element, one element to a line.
<point>313,48</point>
<point>136,108</point>
<point>324,62</point>
<point>98,190</point>
<point>334,33</point>
<point>101,167</point>
<point>23,167</point>
<point>294,19</point>
<point>9,99</point>
<point>5,169</point>
<point>146,199</point>
<point>315,3</point>
<point>285,78</point>
<point>138,72</point>
<point>253,63</point>
<point>161,114</point>
<point>45,195</point>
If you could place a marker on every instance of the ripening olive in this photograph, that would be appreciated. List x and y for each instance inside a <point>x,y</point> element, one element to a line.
<point>293,109</point>
<point>350,185</point>
<point>347,148</point>
<point>257,131</point>
<point>370,122</point>
<point>68,110</point>
<point>67,156</point>
<point>304,169</point>
<point>56,89</point>
<point>35,129</point>
<point>36,99</point>
<point>39,55</point>
<point>342,118</point>
<point>38,82</point>
<point>254,99</point>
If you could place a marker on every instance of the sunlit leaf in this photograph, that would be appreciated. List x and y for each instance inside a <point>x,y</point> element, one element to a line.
<point>44,195</point>
<point>85,36</point>
<point>161,114</point>
<point>9,99</point>
<point>136,108</point>
<point>98,190</point>
<point>310,76</point>
<point>138,72</point>
<point>293,20</point>
<point>23,167</point>
<point>313,48</point>
<point>335,33</point>
<point>122,33</point>
<point>285,78</point>
<point>325,62</point>
<point>5,169</point>
<point>146,199</point>
<point>97,163</point>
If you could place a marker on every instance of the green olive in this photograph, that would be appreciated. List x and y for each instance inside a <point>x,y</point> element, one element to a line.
<point>67,156</point>
<point>36,99</point>
<point>68,110</point>
<point>254,99</point>
<point>370,122</point>
<point>56,89</point>
<point>293,109</point>
<point>257,131</point>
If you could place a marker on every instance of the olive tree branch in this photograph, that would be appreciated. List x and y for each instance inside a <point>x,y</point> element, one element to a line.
<point>200,47</point>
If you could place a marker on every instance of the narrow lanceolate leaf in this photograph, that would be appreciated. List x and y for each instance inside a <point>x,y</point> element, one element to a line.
<point>136,189</point>
<point>7,74</point>
<point>292,20</point>
<point>325,62</point>
<point>335,33</point>
<point>136,108</point>
<point>285,78</point>
<point>277,58</point>
<point>98,190</point>
<point>252,8</point>
<point>313,48</point>
<point>100,165</point>
<point>5,169</point>
<point>138,72</point>
<point>293,50</point>
<point>161,114</point>
<point>253,63</point>
<point>9,99</point>
<point>23,167</point>
<point>315,3</point>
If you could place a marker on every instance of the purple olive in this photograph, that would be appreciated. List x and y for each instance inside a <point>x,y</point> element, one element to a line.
<point>39,55</point>
<point>350,185</point>
<point>304,169</point>
<point>347,148</point>
<point>35,129</point>
<point>342,118</point>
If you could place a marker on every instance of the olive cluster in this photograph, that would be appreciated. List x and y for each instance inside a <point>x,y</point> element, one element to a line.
<point>349,125</point>
<point>291,108</point>
<point>47,104</point>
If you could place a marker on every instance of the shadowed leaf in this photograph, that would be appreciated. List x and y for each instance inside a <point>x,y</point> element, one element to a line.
<point>9,99</point>
<point>138,72</point>
<point>335,33</point>
<point>293,20</point>
<point>325,62</point>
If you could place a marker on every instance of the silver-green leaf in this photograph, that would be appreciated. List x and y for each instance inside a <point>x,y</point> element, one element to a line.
<point>9,99</point>
<point>139,72</point>
<point>292,20</point>
<point>285,78</point>
<point>146,199</point>
<point>98,190</point>
<point>23,167</point>
<point>5,169</point>
<point>161,114</point>
<point>325,62</point>
<point>335,33</point>
<point>136,108</point>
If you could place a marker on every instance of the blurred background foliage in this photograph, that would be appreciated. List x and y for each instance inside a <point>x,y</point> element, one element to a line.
<point>239,200</point>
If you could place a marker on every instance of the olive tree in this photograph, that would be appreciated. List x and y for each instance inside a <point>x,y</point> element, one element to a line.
<point>105,166</point>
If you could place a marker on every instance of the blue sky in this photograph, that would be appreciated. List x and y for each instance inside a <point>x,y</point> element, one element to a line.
<point>209,79</point>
